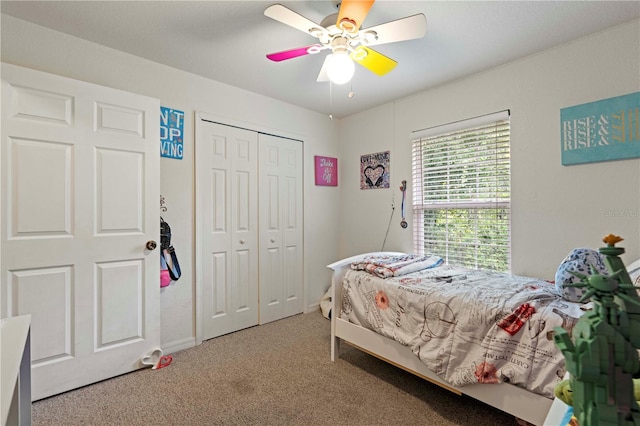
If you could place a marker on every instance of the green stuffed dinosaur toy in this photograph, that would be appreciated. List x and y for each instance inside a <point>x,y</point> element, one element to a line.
<point>563,391</point>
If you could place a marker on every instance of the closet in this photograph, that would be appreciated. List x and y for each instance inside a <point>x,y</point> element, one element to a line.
<point>249,230</point>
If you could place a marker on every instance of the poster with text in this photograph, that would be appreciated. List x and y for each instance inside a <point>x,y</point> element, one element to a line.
<point>171,133</point>
<point>604,130</point>
<point>326,169</point>
<point>374,170</point>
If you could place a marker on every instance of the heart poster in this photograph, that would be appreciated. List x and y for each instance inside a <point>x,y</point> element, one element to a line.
<point>374,170</point>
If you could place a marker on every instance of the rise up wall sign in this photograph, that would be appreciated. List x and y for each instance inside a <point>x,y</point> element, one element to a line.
<point>604,130</point>
<point>171,133</point>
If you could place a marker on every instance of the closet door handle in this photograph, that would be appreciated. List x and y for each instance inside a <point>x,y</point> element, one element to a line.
<point>241,241</point>
<point>273,240</point>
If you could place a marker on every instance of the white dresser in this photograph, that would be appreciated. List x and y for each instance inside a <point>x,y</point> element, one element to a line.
<point>15,371</point>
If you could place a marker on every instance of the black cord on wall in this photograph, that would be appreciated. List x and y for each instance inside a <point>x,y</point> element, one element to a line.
<point>393,208</point>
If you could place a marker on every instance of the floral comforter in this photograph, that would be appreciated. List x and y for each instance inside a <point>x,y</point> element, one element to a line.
<point>465,325</point>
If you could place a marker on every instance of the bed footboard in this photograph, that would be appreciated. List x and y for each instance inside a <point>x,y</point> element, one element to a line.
<point>340,268</point>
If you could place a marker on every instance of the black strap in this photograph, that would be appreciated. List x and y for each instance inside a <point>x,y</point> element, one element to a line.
<point>171,260</point>
<point>165,234</point>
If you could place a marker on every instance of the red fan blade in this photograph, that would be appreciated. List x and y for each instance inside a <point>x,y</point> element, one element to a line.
<point>409,28</point>
<point>293,53</point>
<point>352,14</point>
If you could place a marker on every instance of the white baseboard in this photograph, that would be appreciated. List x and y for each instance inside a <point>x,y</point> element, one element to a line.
<point>190,342</point>
<point>179,345</point>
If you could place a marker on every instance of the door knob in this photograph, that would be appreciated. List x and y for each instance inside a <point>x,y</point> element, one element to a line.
<point>151,245</point>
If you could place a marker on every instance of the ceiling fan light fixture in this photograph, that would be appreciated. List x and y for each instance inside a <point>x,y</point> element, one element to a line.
<point>340,68</point>
<point>341,32</point>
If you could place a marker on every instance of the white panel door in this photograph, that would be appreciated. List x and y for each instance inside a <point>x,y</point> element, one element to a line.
<point>226,227</point>
<point>281,228</point>
<point>80,193</point>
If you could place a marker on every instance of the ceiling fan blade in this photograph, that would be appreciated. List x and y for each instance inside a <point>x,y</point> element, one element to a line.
<point>292,53</point>
<point>374,61</point>
<point>352,14</point>
<point>323,75</point>
<point>409,28</point>
<point>294,20</point>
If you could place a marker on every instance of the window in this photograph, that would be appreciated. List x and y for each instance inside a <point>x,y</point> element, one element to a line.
<point>461,192</point>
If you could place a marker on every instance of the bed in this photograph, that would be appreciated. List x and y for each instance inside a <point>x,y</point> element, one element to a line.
<point>492,340</point>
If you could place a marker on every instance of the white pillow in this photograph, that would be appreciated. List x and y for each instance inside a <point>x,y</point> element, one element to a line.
<point>634,272</point>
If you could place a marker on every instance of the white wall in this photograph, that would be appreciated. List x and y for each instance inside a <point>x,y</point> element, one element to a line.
<point>554,208</point>
<point>39,48</point>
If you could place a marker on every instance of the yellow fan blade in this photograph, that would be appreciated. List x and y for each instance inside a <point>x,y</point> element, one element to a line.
<point>374,61</point>
<point>352,13</point>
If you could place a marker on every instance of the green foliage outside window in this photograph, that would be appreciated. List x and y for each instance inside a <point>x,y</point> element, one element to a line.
<point>462,196</point>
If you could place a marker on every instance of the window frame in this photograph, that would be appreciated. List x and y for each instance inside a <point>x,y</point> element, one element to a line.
<point>423,186</point>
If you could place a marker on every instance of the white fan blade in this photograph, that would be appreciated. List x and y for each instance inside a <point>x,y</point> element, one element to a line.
<point>408,28</point>
<point>294,20</point>
<point>323,75</point>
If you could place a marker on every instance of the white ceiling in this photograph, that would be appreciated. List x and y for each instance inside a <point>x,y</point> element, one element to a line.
<point>227,41</point>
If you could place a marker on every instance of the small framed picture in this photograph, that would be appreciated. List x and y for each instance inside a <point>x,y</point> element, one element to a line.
<point>374,170</point>
<point>326,169</point>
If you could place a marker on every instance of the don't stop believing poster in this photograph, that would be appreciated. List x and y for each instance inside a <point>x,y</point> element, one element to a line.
<point>171,133</point>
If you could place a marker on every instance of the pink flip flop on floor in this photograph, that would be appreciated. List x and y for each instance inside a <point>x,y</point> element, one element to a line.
<point>164,361</point>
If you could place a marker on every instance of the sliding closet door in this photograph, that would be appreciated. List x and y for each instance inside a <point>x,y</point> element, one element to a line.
<point>281,230</point>
<point>80,190</point>
<point>226,228</point>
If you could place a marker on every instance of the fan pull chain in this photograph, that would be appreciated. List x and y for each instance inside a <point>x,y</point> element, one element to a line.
<point>330,100</point>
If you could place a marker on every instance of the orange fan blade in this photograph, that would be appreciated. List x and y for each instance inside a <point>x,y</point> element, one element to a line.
<point>352,14</point>
<point>374,61</point>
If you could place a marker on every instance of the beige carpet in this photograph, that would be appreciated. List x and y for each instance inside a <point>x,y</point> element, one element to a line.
<point>276,374</point>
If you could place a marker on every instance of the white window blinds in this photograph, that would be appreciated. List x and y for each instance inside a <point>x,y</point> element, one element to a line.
<point>461,192</point>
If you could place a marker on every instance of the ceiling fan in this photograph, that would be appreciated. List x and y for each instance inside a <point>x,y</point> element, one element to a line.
<point>341,33</point>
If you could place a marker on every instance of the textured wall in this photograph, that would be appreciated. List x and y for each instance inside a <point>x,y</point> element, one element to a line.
<point>554,208</point>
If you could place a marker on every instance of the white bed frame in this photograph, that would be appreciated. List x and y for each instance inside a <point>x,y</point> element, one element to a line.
<point>511,399</point>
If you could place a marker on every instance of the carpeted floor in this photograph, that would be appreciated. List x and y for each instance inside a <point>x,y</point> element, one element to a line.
<point>276,374</point>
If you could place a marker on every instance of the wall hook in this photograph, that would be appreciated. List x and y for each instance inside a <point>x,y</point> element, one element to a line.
<point>403,188</point>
